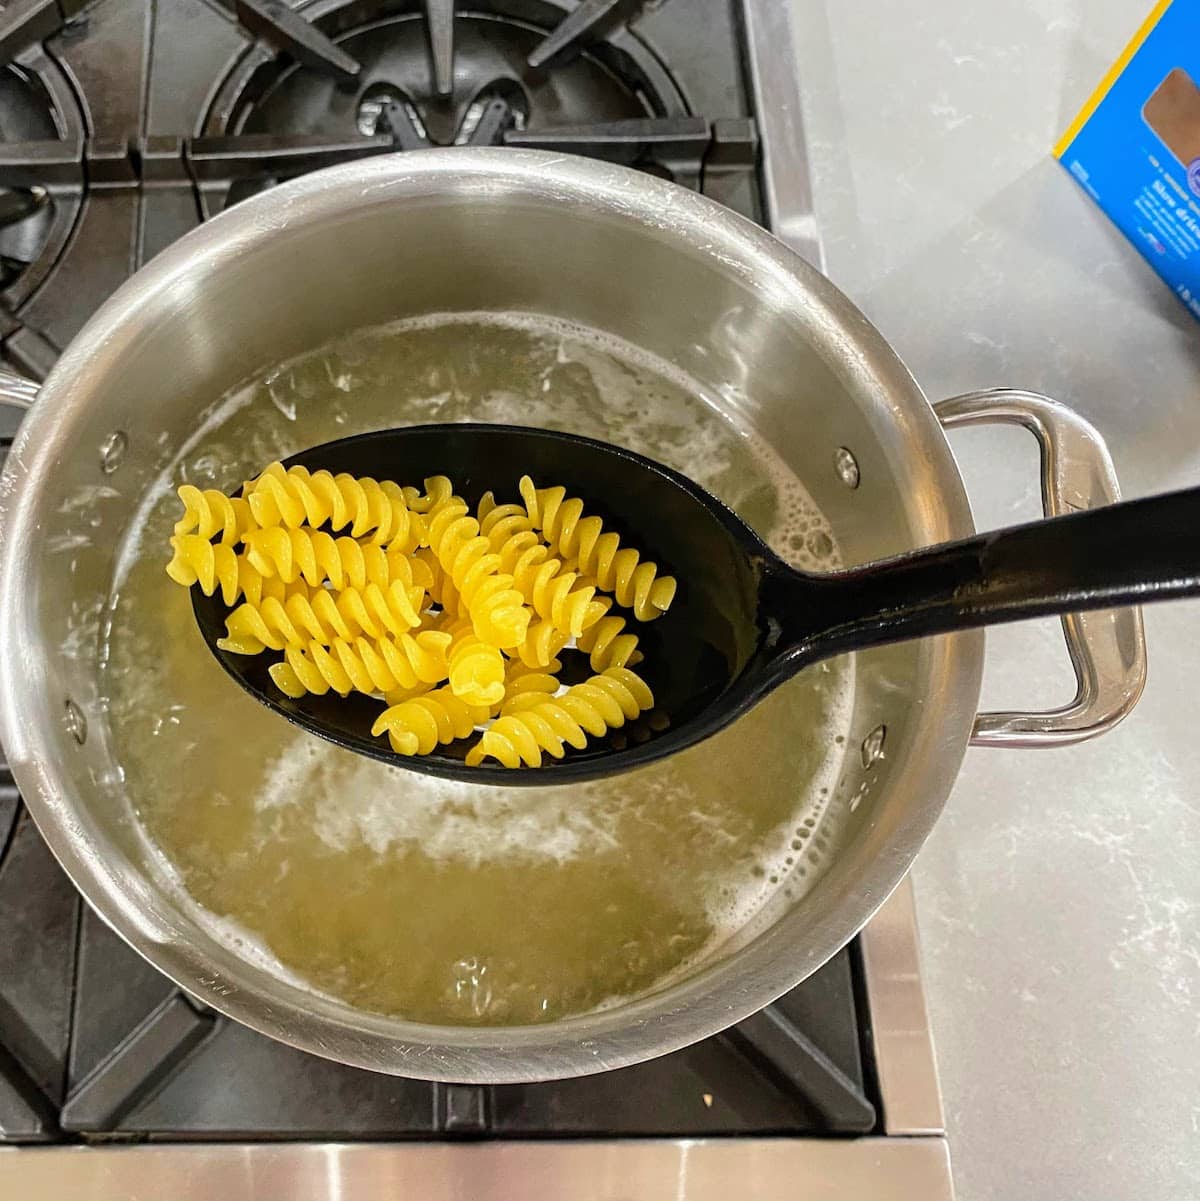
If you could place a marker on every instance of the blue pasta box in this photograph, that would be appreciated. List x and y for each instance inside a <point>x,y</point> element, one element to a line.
<point>1135,145</point>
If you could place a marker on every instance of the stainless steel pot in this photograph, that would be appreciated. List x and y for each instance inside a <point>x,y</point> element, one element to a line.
<point>660,267</point>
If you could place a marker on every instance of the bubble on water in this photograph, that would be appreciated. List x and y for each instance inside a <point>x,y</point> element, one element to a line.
<point>819,544</point>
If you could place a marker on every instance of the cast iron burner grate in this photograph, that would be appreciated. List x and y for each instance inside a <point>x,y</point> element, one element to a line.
<point>341,78</point>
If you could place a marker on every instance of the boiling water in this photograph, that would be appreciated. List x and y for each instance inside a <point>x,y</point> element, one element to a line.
<point>443,901</point>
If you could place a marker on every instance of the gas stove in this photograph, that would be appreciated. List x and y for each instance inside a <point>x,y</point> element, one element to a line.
<point>125,123</point>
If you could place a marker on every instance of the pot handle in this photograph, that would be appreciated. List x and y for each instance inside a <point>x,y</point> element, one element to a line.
<point>1108,648</point>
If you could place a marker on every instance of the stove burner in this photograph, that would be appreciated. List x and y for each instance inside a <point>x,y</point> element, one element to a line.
<point>513,72</point>
<point>440,64</point>
<point>489,62</point>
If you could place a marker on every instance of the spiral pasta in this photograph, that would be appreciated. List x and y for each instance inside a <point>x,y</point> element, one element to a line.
<point>207,512</point>
<point>616,569</point>
<point>476,669</point>
<point>607,645</point>
<point>460,622</point>
<point>553,591</point>
<point>437,488</point>
<point>497,609</point>
<point>196,560</point>
<point>440,587</point>
<point>317,556</point>
<point>416,726</point>
<point>520,737</point>
<point>363,665</point>
<point>523,684</point>
<point>541,644</point>
<point>306,615</point>
<point>294,496</point>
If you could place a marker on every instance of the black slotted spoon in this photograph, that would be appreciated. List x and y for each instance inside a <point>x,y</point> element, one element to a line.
<point>743,621</point>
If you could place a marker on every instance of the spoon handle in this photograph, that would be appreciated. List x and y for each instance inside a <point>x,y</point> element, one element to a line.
<point>1123,554</point>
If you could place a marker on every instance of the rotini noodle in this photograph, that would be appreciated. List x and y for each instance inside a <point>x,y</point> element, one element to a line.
<point>546,585</point>
<point>294,496</point>
<point>363,665</point>
<point>616,569</point>
<point>319,615</point>
<point>440,587</point>
<point>496,608</point>
<point>514,669</point>
<point>315,556</point>
<point>542,643</point>
<point>523,684</point>
<point>437,488</point>
<point>608,646</point>
<point>476,669</point>
<point>195,560</point>
<point>602,703</point>
<point>209,512</point>
<point>416,726</point>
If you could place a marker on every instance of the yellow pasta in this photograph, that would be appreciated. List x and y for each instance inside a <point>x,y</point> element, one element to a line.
<point>616,569</point>
<point>416,726</point>
<point>209,512</point>
<point>497,609</point>
<point>522,684</point>
<point>541,644</point>
<point>437,488</point>
<point>607,645</point>
<point>195,560</point>
<point>602,703</point>
<point>363,665</point>
<point>306,615</point>
<point>457,621</point>
<point>553,592</point>
<point>440,587</point>
<point>315,556</point>
<point>476,669</point>
<point>293,497</point>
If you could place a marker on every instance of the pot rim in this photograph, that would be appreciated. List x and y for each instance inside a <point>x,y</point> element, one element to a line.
<point>719,994</point>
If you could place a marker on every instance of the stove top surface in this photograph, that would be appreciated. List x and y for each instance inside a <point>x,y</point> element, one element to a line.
<point>125,123</point>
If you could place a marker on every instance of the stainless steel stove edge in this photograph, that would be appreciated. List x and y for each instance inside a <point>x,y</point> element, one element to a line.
<point>883,1169</point>
<point>786,184</point>
<point>902,1040</point>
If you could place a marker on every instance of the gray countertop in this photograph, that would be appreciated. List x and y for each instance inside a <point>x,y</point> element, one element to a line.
<point>1060,896</point>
